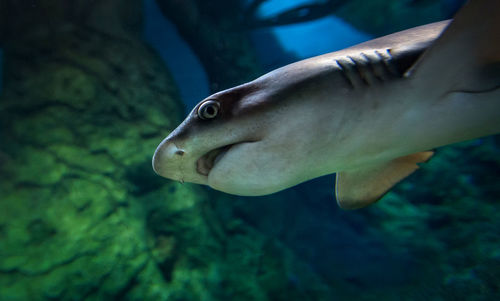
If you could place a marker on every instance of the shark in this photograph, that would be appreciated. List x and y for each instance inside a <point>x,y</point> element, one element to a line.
<point>370,113</point>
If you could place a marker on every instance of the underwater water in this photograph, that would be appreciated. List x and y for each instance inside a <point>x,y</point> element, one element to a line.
<point>88,91</point>
<point>182,63</point>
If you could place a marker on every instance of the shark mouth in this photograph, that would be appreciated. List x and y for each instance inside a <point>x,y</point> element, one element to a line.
<point>206,162</point>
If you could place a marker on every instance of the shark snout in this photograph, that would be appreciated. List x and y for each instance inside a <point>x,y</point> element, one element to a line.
<point>166,159</point>
<point>175,162</point>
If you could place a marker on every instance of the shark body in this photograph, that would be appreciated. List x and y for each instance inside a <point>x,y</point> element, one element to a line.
<point>369,113</point>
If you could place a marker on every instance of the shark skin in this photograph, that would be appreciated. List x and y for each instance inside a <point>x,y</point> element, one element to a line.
<point>369,113</point>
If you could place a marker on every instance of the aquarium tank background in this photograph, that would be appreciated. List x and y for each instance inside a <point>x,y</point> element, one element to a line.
<point>89,89</point>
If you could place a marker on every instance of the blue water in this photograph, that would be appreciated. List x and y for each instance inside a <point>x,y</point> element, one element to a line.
<point>189,74</point>
<point>308,38</point>
<point>273,7</point>
<point>184,66</point>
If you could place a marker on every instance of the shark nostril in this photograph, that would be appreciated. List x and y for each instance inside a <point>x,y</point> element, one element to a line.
<point>180,152</point>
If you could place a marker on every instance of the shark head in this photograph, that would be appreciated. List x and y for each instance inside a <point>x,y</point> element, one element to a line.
<point>248,140</point>
<point>368,113</point>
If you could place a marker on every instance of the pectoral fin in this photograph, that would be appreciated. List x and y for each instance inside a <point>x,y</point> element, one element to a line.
<point>359,188</point>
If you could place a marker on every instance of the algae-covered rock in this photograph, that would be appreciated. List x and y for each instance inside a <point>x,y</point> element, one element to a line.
<point>75,120</point>
<point>202,255</point>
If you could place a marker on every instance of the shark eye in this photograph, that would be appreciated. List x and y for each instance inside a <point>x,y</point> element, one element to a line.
<point>209,109</point>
